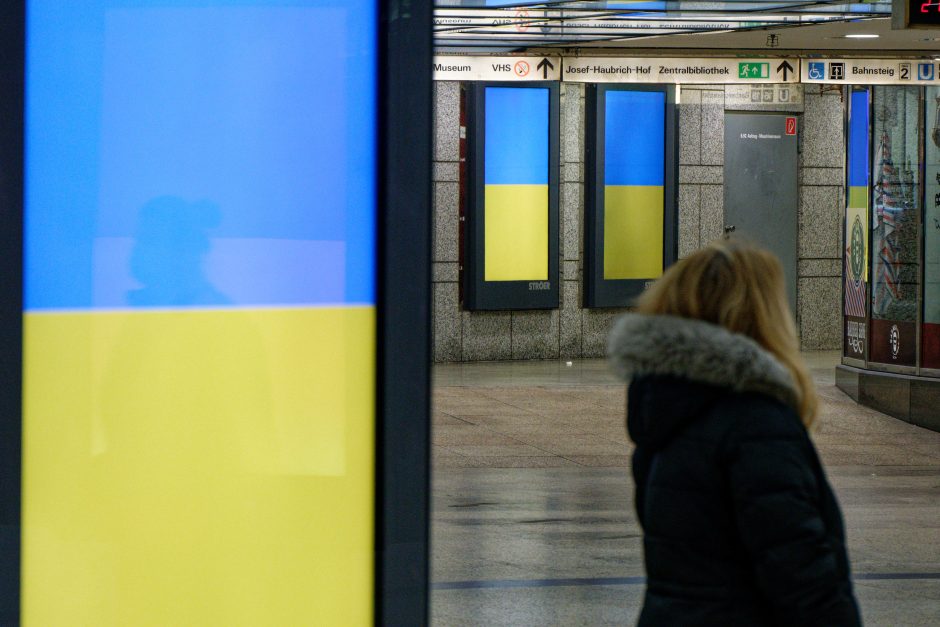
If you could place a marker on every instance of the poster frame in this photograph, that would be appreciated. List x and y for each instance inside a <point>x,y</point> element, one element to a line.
<point>481,295</point>
<point>598,291</point>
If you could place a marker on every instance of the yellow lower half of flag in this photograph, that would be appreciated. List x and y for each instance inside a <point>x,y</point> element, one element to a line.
<point>199,467</point>
<point>633,232</point>
<point>858,196</point>
<point>515,239</point>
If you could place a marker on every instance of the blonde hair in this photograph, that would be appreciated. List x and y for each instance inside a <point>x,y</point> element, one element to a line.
<point>740,287</point>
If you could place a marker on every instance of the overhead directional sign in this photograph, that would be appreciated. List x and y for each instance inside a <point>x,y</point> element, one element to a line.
<point>686,71</point>
<point>679,70</point>
<point>467,68</point>
<point>871,71</point>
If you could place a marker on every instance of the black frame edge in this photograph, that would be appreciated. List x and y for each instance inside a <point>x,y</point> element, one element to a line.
<point>404,314</point>
<point>509,295</point>
<point>12,77</point>
<point>594,128</point>
<point>671,210</point>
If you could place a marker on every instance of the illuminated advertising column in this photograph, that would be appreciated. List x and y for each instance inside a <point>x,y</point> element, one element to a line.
<point>855,266</point>
<point>200,312</point>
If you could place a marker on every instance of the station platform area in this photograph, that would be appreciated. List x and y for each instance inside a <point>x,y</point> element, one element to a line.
<point>532,511</point>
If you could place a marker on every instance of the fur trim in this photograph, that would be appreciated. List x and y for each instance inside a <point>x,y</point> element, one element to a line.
<point>699,351</point>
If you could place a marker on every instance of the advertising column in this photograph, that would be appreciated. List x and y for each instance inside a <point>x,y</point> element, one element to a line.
<point>855,266</point>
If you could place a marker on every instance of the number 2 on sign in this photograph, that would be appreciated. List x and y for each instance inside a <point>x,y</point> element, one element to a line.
<point>926,6</point>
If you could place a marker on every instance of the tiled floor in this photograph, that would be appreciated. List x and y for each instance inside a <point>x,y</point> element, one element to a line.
<point>533,520</point>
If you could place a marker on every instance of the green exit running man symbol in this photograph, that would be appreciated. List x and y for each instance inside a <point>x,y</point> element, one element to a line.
<point>753,70</point>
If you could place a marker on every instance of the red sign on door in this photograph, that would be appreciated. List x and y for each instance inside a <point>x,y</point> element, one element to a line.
<point>791,126</point>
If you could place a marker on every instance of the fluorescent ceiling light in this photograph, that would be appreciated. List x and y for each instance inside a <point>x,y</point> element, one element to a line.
<point>862,36</point>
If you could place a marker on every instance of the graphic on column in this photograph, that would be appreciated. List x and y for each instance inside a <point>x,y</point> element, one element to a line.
<point>895,226</point>
<point>889,207</point>
<point>856,235</point>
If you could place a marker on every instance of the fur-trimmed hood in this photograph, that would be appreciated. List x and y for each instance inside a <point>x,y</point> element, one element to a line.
<point>701,352</point>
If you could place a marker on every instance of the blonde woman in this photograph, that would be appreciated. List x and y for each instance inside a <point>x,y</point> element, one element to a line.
<point>740,524</point>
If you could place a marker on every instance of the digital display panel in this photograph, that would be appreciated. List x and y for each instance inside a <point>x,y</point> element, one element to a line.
<point>633,184</point>
<point>923,13</point>
<point>516,184</point>
<point>510,252</point>
<point>630,190</point>
<point>199,324</point>
<point>855,266</point>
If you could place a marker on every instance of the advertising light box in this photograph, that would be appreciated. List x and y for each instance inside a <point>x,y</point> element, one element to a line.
<point>512,232</point>
<point>630,217</point>
<point>858,164</point>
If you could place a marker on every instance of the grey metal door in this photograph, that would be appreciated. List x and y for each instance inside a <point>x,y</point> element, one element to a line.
<point>761,201</point>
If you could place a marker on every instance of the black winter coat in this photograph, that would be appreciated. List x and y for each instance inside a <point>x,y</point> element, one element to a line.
<point>740,524</point>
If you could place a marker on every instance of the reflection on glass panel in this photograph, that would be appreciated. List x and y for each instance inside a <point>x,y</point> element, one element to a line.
<point>931,331</point>
<point>895,218</point>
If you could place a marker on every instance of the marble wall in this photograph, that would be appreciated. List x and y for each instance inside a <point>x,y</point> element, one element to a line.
<point>572,331</point>
<point>822,203</point>
<point>821,197</point>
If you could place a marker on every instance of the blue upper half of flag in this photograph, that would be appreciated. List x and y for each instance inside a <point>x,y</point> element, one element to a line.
<point>634,137</point>
<point>516,142</point>
<point>186,153</point>
<point>858,158</point>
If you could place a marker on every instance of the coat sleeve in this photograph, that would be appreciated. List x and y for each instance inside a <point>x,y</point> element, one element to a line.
<point>799,564</point>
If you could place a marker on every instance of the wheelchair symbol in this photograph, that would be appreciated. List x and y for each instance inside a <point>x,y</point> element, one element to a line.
<point>817,71</point>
